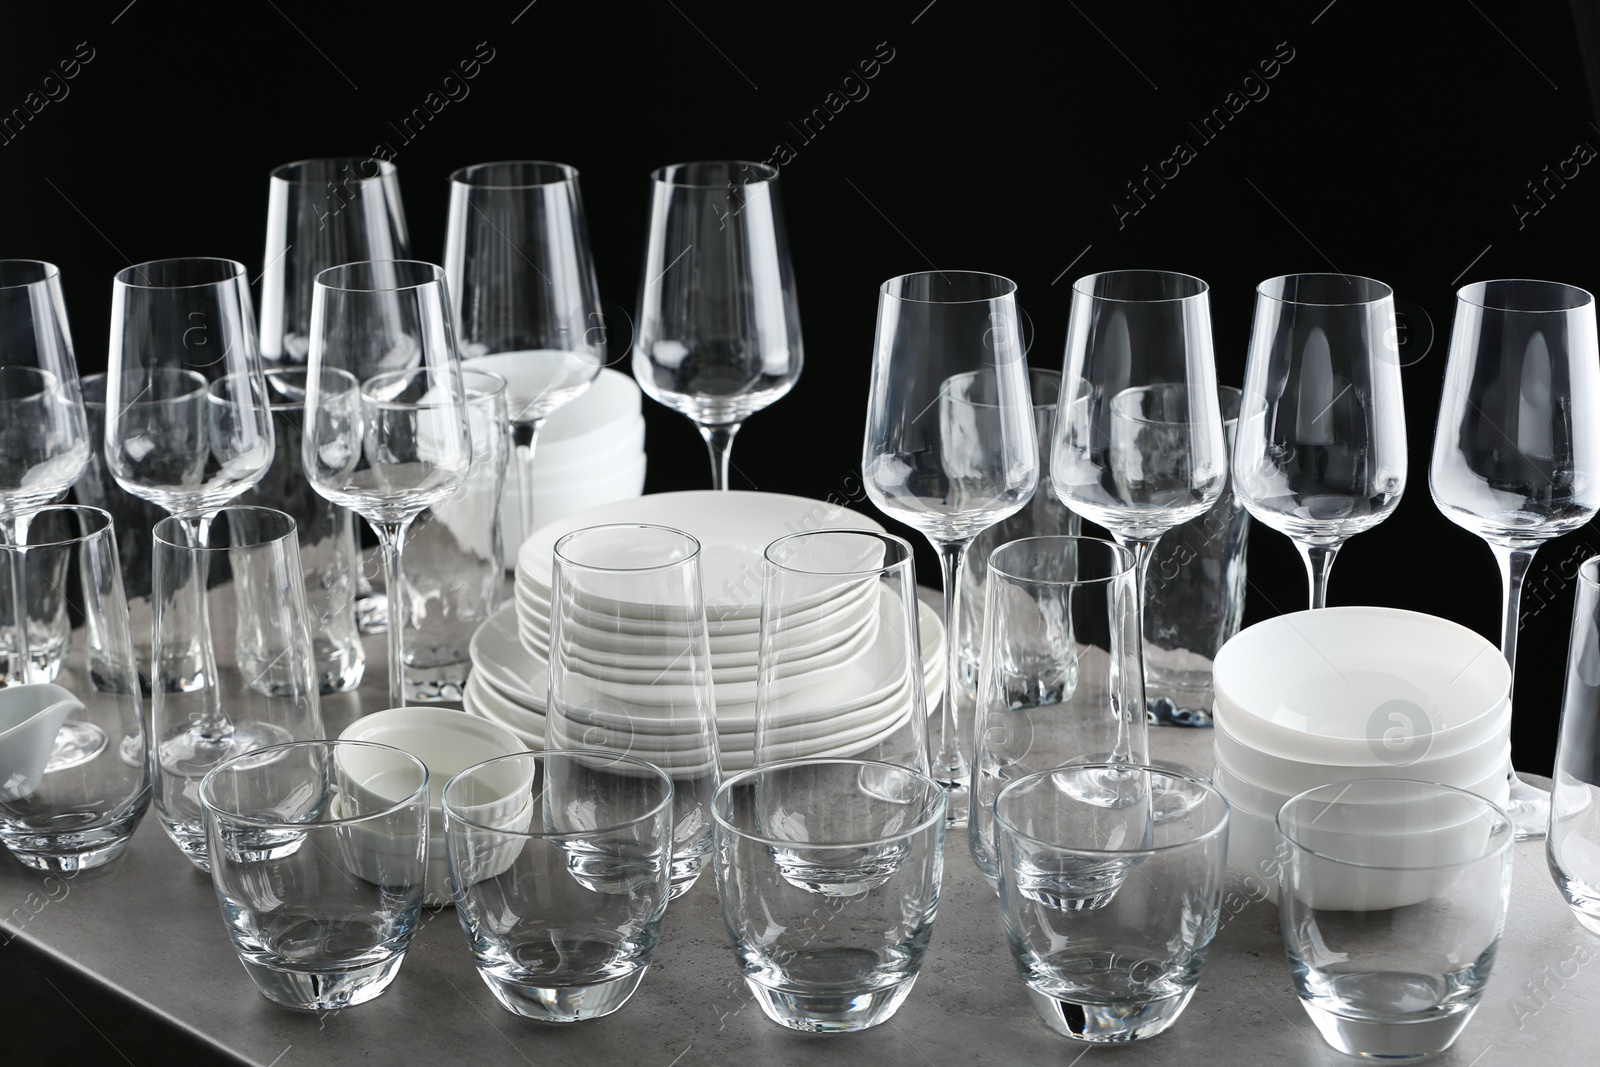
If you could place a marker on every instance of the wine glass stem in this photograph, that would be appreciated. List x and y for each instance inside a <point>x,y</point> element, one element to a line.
<point>391,541</point>
<point>525,435</point>
<point>1319,565</point>
<point>719,440</point>
<point>17,535</point>
<point>1514,564</point>
<point>1143,548</point>
<point>213,723</point>
<point>947,763</point>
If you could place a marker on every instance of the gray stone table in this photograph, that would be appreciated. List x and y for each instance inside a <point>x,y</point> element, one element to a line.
<point>143,941</point>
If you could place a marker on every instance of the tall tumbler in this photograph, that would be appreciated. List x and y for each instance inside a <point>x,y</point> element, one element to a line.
<point>1572,848</point>
<point>266,674</point>
<point>327,536</point>
<point>1194,599</point>
<point>1061,680</point>
<point>134,516</point>
<point>458,557</point>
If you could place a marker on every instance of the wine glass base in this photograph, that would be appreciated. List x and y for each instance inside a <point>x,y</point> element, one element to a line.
<point>76,742</point>
<point>1529,808</point>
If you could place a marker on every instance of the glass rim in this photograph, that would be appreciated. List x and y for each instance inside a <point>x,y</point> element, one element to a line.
<point>907,553</point>
<point>230,271</point>
<point>664,175</point>
<point>1005,287</point>
<point>1476,295</point>
<point>1192,777</point>
<point>280,173</point>
<point>541,756</point>
<point>187,518</point>
<point>489,384</point>
<point>331,278</point>
<point>465,176</point>
<point>202,385</point>
<point>931,818</point>
<point>1134,416</point>
<point>1202,290</point>
<point>365,390</point>
<point>1119,553</point>
<point>104,524</point>
<point>1386,290</point>
<point>333,744</point>
<point>562,560</point>
<point>1589,571</point>
<point>1486,807</point>
<point>48,272</point>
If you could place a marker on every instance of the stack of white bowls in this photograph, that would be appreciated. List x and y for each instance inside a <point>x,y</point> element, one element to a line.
<point>843,644</point>
<point>1318,697</point>
<point>589,452</point>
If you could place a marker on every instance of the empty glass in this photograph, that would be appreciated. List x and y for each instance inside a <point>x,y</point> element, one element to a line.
<point>1060,680</point>
<point>318,854</point>
<point>1321,449</point>
<point>1518,441</point>
<point>1572,848</point>
<point>719,323</point>
<point>840,670</point>
<point>950,447</point>
<point>72,807</point>
<point>630,668</point>
<point>828,872</point>
<point>265,677</point>
<point>134,516</point>
<point>1392,896</point>
<point>560,867</point>
<point>1111,888</point>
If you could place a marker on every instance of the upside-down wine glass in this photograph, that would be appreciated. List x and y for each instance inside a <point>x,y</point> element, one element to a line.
<point>1516,455</point>
<point>1320,453</point>
<point>188,428</point>
<point>718,324</point>
<point>523,289</point>
<point>394,443</point>
<point>950,447</point>
<point>1141,449</point>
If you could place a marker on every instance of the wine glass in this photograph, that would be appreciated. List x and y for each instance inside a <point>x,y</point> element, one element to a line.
<point>1141,448</point>
<point>44,435</point>
<point>396,442</point>
<point>523,290</point>
<point>1517,449</point>
<point>188,423</point>
<point>950,446</point>
<point>1320,453</point>
<point>718,322</point>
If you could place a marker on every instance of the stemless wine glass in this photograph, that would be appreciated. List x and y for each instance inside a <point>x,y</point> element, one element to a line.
<point>950,447</point>
<point>523,288</point>
<point>1572,849</point>
<point>1141,450</point>
<point>396,442</point>
<point>1516,456</point>
<point>1320,453</point>
<point>718,323</point>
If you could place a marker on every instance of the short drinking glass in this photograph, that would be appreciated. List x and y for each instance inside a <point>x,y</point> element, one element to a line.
<point>1573,845</point>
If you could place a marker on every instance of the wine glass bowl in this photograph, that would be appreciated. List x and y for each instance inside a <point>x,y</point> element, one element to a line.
<point>44,433</point>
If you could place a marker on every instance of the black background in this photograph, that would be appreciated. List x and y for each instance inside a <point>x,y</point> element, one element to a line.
<point>1394,143</point>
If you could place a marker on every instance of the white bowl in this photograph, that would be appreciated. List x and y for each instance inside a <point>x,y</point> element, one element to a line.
<point>624,482</point>
<point>622,441</point>
<point>1326,686</point>
<point>588,421</point>
<point>30,717</point>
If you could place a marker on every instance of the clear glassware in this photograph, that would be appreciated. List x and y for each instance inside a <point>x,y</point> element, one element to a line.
<point>523,288</point>
<point>718,336</point>
<point>840,670</point>
<point>1060,680</point>
<point>560,866</point>
<point>318,852</point>
<point>829,874</point>
<point>458,587</point>
<point>70,808</point>
<point>387,424</point>
<point>1142,449</point>
<point>1392,896</point>
<point>133,516</point>
<point>1109,958</point>
<point>44,437</point>
<point>630,668</point>
<point>266,680</point>
<point>1516,455</point>
<point>1572,848</point>
<point>1321,449</point>
<point>950,446</point>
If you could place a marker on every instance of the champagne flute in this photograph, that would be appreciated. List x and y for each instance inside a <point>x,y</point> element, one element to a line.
<point>1517,450</point>
<point>396,442</point>
<point>1141,450</point>
<point>523,290</point>
<point>950,446</point>
<point>1320,453</point>
<point>719,324</point>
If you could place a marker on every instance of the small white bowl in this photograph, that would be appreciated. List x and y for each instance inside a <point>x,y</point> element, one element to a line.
<point>624,482</point>
<point>587,422</point>
<point>30,717</point>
